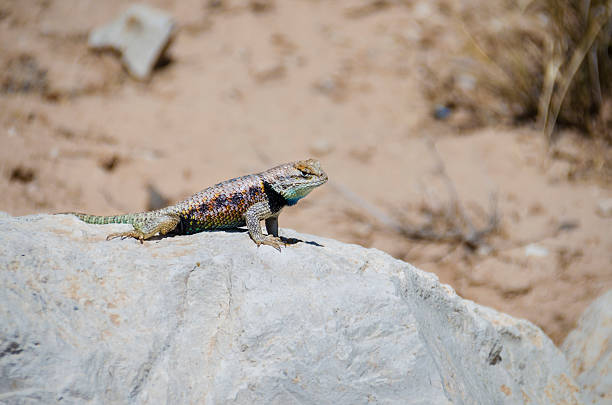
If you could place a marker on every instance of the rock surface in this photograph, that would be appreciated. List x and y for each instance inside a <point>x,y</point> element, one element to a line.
<point>589,351</point>
<point>140,35</point>
<point>210,318</point>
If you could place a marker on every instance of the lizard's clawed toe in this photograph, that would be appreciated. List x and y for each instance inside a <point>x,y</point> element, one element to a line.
<point>123,235</point>
<point>273,241</point>
<point>113,236</point>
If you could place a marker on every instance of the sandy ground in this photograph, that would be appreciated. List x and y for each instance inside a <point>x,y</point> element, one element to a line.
<point>251,85</point>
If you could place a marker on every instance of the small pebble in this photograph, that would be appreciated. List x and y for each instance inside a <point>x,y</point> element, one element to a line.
<point>535,250</point>
<point>604,208</point>
<point>441,112</point>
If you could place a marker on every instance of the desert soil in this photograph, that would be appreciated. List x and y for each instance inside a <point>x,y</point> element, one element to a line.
<point>254,84</point>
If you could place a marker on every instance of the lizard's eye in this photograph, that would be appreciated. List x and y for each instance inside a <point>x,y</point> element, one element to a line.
<point>304,173</point>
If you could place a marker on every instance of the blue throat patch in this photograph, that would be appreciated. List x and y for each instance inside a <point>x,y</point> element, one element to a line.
<point>292,201</point>
<point>293,197</point>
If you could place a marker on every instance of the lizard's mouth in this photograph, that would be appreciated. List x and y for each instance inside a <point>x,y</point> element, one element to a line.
<point>321,180</point>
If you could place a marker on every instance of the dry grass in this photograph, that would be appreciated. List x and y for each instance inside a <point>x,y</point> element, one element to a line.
<point>544,59</point>
<point>579,66</point>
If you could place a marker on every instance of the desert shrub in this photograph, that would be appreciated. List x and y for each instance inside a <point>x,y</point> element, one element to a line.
<point>548,60</point>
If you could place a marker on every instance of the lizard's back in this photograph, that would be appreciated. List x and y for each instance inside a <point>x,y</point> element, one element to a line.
<point>222,205</point>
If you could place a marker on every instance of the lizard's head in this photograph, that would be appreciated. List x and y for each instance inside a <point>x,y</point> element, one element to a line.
<point>295,180</point>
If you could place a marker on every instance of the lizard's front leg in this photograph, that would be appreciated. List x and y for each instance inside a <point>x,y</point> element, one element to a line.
<point>147,227</point>
<point>252,217</point>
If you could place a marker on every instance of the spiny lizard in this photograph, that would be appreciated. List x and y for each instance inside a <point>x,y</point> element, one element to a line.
<point>245,200</point>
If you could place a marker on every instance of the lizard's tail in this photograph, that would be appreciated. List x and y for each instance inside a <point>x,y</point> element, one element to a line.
<point>100,220</point>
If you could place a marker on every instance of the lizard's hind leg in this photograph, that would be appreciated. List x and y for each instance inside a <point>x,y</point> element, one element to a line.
<point>148,226</point>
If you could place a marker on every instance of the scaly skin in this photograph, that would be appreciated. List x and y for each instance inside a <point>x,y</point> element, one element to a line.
<point>245,200</point>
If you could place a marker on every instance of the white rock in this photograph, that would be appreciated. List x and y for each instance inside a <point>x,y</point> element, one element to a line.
<point>210,318</point>
<point>588,349</point>
<point>535,250</point>
<point>140,34</point>
<point>604,208</point>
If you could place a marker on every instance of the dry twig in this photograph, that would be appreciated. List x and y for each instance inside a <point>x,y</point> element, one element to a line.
<point>448,224</point>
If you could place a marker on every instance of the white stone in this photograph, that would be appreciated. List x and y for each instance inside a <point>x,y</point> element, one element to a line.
<point>604,208</point>
<point>588,349</point>
<point>535,250</point>
<point>211,318</point>
<point>140,35</point>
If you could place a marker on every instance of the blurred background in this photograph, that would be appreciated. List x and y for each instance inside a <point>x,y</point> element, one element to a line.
<point>471,139</point>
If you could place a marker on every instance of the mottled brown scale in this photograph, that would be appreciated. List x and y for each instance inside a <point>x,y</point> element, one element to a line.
<point>245,200</point>
<point>222,205</point>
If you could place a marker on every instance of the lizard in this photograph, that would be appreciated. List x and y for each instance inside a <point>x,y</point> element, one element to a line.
<point>241,201</point>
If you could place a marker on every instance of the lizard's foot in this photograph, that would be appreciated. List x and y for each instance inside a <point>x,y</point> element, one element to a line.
<point>148,227</point>
<point>273,241</point>
<point>130,234</point>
